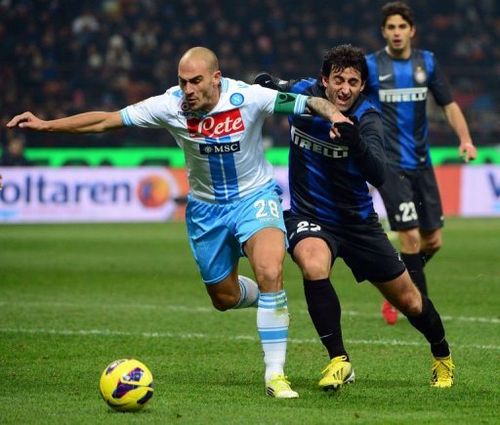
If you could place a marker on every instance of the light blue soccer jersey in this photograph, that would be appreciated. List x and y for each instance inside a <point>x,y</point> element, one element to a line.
<point>223,149</point>
<point>232,191</point>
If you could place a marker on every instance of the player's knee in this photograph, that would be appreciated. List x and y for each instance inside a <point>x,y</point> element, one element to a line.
<point>269,275</point>
<point>223,302</point>
<point>315,269</point>
<point>433,245</point>
<point>431,241</point>
<point>410,303</point>
<point>314,259</point>
<point>410,241</point>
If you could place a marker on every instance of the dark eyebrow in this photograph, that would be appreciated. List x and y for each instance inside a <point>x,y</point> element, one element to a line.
<point>191,80</point>
<point>402,24</point>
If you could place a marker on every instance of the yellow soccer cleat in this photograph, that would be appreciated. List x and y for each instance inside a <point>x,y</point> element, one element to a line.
<point>279,387</point>
<point>442,372</point>
<point>338,372</point>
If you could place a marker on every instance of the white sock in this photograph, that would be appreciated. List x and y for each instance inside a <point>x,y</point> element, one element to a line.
<point>272,324</point>
<point>249,293</point>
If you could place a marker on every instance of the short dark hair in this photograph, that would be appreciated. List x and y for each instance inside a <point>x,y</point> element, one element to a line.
<point>342,57</point>
<point>397,8</point>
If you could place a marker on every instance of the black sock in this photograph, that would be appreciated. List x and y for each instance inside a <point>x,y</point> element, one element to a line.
<point>430,325</point>
<point>415,267</point>
<point>426,257</point>
<point>324,308</point>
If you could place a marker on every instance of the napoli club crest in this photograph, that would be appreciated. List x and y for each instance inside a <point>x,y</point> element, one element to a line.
<point>236,99</point>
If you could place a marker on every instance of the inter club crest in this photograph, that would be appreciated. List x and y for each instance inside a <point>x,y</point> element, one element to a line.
<point>420,75</point>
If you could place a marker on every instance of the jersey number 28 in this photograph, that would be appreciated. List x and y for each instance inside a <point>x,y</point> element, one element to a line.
<point>266,208</point>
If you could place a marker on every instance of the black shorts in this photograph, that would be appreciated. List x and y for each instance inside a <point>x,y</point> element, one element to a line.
<point>411,199</point>
<point>364,247</point>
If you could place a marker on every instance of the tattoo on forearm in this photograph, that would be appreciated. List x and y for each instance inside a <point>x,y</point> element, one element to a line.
<point>321,107</point>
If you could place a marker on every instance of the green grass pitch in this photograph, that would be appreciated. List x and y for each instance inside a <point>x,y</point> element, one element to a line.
<point>75,297</point>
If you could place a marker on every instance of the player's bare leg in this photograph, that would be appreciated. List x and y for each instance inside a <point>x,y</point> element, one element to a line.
<point>234,291</point>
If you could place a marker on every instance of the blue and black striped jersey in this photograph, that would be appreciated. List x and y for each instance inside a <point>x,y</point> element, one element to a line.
<point>328,178</point>
<point>400,88</point>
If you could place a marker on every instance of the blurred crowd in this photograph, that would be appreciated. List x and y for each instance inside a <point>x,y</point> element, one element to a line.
<point>60,57</point>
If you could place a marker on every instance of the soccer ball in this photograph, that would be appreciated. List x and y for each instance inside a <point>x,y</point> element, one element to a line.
<point>126,385</point>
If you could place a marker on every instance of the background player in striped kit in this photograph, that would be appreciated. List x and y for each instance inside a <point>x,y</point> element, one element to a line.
<point>400,78</point>
<point>234,204</point>
<point>331,213</point>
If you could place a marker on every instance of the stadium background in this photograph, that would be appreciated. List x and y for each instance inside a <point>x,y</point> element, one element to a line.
<point>74,297</point>
<point>65,57</point>
<point>62,57</point>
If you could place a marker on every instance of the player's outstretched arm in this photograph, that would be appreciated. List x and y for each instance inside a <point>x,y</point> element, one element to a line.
<point>87,122</point>
<point>292,103</point>
<point>316,105</point>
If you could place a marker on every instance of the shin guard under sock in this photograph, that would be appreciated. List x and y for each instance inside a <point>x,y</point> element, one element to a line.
<point>324,308</point>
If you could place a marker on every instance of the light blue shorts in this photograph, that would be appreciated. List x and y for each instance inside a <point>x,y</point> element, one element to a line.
<point>217,232</point>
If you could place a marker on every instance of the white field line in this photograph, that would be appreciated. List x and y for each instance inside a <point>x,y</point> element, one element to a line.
<point>193,309</point>
<point>190,336</point>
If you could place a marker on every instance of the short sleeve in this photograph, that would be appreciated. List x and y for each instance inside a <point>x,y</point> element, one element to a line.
<point>154,112</point>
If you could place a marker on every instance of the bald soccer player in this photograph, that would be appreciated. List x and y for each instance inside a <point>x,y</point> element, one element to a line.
<point>234,207</point>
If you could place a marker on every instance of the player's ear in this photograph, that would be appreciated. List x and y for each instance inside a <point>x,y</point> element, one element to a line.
<point>324,80</point>
<point>217,77</point>
<point>413,31</point>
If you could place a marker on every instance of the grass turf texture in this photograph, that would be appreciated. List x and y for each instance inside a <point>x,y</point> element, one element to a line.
<point>75,297</point>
